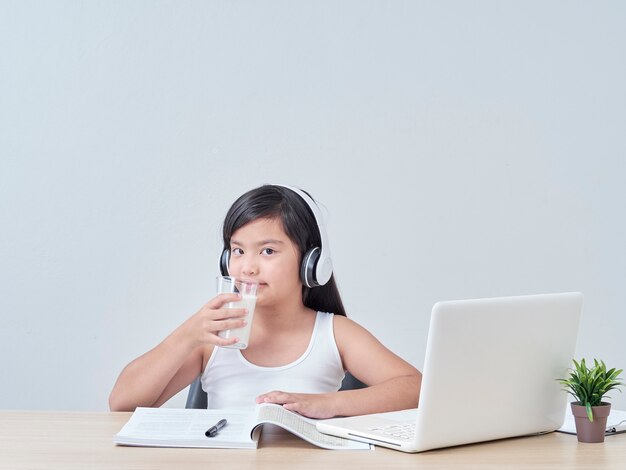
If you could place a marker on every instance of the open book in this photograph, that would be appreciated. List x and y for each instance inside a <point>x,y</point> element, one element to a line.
<point>168,427</point>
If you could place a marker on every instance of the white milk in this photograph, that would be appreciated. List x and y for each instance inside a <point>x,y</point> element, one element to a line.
<point>248,302</point>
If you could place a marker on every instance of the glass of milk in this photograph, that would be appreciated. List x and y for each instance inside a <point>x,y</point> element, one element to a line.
<point>247,289</point>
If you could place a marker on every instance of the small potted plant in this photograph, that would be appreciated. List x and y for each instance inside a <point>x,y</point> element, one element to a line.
<point>589,386</point>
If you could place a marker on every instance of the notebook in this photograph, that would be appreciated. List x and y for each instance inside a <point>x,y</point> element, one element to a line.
<point>489,373</point>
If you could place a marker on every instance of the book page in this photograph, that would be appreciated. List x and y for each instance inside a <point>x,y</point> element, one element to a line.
<point>168,427</point>
<point>304,428</point>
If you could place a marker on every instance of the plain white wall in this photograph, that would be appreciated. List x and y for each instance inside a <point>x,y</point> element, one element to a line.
<point>466,149</point>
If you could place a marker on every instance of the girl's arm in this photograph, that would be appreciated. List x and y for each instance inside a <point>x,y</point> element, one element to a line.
<point>393,384</point>
<point>155,377</point>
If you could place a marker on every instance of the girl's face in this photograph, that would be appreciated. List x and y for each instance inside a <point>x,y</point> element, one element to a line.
<point>261,251</point>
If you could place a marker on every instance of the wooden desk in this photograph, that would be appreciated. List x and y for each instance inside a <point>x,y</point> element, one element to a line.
<point>79,440</point>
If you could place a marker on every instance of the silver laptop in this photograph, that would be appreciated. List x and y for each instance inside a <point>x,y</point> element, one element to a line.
<point>490,372</point>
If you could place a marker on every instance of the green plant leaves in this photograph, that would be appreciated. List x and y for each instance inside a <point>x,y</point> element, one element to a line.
<point>589,385</point>
<point>589,411</point>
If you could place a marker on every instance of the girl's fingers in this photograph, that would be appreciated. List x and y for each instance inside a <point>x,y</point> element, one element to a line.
<point>219,341</point>
<point>228,324</point>
<point>221,299</point>
<point>213,318</point>
<point>226,313</point>
<point>274,397</point>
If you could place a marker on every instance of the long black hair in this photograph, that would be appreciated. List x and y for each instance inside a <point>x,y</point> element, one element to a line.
<point>278,202</point>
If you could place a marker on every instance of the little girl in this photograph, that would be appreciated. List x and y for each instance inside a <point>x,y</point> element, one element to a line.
<point>297,354</point>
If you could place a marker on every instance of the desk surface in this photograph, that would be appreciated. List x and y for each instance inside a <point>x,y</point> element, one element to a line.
<point>81,440</point>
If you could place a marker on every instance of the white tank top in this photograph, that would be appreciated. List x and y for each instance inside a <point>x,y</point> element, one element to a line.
<point>232,382</point>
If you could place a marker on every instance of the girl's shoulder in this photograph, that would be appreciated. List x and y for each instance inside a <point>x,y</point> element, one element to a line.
<point>341,321</point>
<point>354,341</point>
<point>346,328</point>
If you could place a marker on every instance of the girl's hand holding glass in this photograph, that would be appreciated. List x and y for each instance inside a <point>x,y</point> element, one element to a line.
<point>213,317</point>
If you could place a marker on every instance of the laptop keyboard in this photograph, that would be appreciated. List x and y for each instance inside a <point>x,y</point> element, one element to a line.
<point>405,431</point>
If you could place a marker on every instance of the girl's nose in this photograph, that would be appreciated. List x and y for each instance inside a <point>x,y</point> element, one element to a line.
<point>249,267</point>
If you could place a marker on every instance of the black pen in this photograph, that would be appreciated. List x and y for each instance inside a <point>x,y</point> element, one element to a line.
<point>213,430</point>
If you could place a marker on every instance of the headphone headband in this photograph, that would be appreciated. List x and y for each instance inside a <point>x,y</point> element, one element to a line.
<point>316,268</point>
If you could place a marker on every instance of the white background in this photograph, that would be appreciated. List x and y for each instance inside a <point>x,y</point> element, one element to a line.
<point>462,150</point>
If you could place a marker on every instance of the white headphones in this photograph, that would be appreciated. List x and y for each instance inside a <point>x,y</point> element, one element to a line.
<point>317,266</point>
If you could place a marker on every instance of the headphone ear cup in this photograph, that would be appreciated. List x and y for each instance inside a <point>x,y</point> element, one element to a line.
<point>307,269</point>
<point>224,260</point>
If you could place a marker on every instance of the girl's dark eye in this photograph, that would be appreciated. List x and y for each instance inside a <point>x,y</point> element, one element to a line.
<point>237,251</point>
<point>267,251</point>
